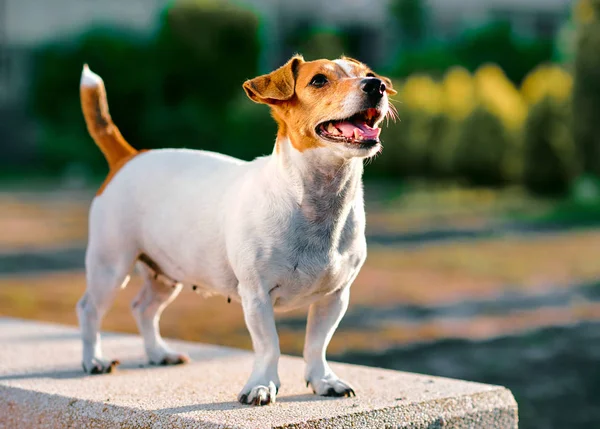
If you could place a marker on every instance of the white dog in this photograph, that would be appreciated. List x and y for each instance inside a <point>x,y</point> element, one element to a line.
<point>279,232</point>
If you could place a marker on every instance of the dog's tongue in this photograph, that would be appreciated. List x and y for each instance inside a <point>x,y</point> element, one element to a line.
<point>358,130</point>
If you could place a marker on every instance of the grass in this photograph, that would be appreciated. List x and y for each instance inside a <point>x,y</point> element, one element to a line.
<point>571,213</point>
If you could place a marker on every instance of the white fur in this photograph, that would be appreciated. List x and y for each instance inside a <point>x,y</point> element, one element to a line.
<point>89,78</point>
<point>347,66</point>
<point>276,233</point>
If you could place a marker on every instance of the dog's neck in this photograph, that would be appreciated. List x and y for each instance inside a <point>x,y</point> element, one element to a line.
<point>325,184</point>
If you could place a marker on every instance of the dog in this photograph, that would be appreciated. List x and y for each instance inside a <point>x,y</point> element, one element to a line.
<point>276,233</point>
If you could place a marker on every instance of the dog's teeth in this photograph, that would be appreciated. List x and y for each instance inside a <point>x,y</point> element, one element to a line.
<point>334,130</point>
<point>357,135</point>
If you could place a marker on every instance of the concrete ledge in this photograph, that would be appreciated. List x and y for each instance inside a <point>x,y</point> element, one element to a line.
<point>42,385</point>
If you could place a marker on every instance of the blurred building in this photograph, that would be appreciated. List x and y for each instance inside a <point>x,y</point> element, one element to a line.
<point>26,24</point>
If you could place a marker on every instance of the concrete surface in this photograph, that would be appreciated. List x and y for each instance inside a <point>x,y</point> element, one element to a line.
<point>42,385</point>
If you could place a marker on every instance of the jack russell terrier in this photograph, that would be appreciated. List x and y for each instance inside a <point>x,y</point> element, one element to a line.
<point>275,233</point>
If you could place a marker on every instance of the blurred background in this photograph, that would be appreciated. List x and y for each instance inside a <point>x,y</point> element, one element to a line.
<point>483,209</point>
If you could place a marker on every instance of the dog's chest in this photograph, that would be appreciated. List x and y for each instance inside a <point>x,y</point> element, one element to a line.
<point>320,256</point>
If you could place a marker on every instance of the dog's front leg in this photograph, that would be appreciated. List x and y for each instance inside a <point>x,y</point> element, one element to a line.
<point>323,319</point>
<point>263,385</point>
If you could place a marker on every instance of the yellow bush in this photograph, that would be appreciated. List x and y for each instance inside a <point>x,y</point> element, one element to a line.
<point>458,93</point>
<point>583,11</point>
<point>547,80</point>
<point>422,93</point>
<point>499,96</point>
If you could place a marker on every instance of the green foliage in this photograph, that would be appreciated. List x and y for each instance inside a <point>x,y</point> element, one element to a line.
<point>55,96</point>
<point>586,93</point>
<point>202,48</point>
<point>182,88</point>
<point>251,129</point>
<point>550,161</point>
<point>411,17</point>
<point>315,43</point>
<point>195,85</point>
<point>480,154</point>
<point>434,60</point>
<point>443,146</point>
<point>494,43</point>
<point>171,91</point>
<point>404,145</point>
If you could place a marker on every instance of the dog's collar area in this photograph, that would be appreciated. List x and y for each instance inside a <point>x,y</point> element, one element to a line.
<point>159,275</point>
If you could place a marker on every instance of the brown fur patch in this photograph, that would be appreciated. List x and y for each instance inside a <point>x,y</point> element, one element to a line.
<point>101,127</point>
<point>105,133</point>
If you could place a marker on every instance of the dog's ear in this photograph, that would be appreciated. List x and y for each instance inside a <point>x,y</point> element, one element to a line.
<point>278,85</point>
<point>389,88</point>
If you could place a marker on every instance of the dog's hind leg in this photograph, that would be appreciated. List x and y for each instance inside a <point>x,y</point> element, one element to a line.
<point>147,308</point>
<point>106,273</point>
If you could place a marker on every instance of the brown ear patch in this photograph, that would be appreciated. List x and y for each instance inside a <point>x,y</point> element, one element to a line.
<point>278,85</point>
<point>389,87</point>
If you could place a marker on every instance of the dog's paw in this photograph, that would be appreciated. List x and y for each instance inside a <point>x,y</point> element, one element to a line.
<point>100,366</point>
<point>170,358</point>
<point>259,395</point>
<point>331,386</point>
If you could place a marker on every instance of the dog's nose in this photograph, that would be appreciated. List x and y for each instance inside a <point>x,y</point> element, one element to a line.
<point>373,87</point>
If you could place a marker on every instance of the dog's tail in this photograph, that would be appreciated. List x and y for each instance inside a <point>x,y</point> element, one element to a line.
<point>99,123</point>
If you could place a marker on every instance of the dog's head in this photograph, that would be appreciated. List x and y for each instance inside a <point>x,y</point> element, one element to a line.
<point>334,104</point>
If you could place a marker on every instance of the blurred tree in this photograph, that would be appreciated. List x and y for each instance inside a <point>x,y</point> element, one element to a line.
<point>499,95</point>
<point>411,16</point>
<point>586,92</point>
<point>404,146</point>
<point>434,61</point>
<point>250,128</point>
<point>318,42</point>
<point>421,126</point>
<point>122,59</point>
<point>197,78</point>
<point>493,43</point>
<point>481,150</point>
<point>459,99</point>
<point>547,80</point>
<point>550,158</point>
<point>172,91</point>
<point>315,41</point>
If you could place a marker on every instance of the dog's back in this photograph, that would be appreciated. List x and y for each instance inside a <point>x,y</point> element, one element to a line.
<point>148,195</point>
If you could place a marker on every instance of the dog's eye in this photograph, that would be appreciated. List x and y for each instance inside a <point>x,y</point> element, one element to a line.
<point>319,80</point>
<point>370,75</point>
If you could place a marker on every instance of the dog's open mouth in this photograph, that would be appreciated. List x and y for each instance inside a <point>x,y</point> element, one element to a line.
<point>358,129</point>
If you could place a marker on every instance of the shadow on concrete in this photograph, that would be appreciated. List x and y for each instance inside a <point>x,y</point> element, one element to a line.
<point>235,405</point>
<point>76,373</point>
<point>58,375</point>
